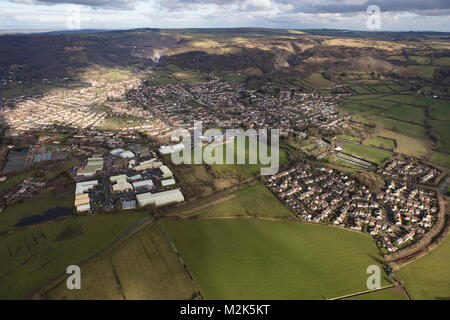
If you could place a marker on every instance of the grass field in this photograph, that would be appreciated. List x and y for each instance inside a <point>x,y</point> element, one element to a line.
<point>409,129</point>
<point>255,200</point>
<point>380,142</point>
<point>37,205</point>
<point>14,180</point>
<point>142,267</point>
<point>441,159</point>
<point>371,155</point>
<point>443,130</point>
<point>407,113</point>
<point>245,170</point>
<point>251,259</point>
<point>423,71</point>
<point>318,81</point>
<point>33,255</point>
<point>428,277</point>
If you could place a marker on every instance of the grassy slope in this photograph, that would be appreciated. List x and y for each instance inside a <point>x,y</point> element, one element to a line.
<point>143,267</point>
<point>255,200</point>
<point>428,277</point>
<point>37,205</point>
<point>248,259</point>
<point>35,254</point>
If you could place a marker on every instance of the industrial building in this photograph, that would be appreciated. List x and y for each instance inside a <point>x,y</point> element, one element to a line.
<point>93,165</point>
<point>121,183</point>
<point>167,173</point>
<point>171,149</point>
<point>144,184</point>
<point>128,205</point>
<point>160,198</point>
<point>168,182</point>
<point>82,187</point>
<point>127,155</point>
<point>149,164</point>
<point>84,208</point>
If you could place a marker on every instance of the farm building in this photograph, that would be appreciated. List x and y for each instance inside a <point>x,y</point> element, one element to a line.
<point>160,198</point>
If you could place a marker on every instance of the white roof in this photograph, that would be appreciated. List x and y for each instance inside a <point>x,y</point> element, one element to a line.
<point>167,182</point>
<point>84,207</point>
<point>160,198</point>
<point>166,171</point>
<point>127,154</point>
<point>116,151</point>
<point>143,183</point>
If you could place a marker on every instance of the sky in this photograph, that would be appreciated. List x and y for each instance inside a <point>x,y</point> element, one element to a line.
<point>393,15</point>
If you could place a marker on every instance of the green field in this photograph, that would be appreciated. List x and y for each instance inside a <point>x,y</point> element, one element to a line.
<point>423,71</point>
<point>407,113</point>
<point>255,200</point>
<point>37,205</point>
<point>443,130</point>
<point>31,256</point>
<point>444,61</point>
<point>428,277</point>
<point>409,129</point>
<point>371,155</point>
<point>380,142</point>
<point>244,170</point>
<point>142,267</point>
<point>355,107</point>
<point>318,81</point>
<point>252,259</point>
<point>441,159</point>
<point>13,181</point>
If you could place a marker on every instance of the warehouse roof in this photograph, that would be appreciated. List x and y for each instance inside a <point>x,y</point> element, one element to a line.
<point>143,183</point>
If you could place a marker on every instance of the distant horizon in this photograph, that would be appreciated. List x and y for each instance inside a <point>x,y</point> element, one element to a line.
<point>393,15</point>
<point>51,30</point>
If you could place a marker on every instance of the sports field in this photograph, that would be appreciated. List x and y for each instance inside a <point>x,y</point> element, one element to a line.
<point>32,255</point>
<point>142,267</point>
<point>254,259</point>
<point>372,155</point>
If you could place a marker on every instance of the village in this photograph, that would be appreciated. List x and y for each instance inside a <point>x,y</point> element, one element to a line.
<point>398,216</point>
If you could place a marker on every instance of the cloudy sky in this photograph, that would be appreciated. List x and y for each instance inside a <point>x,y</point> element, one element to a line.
<point>402,15</point>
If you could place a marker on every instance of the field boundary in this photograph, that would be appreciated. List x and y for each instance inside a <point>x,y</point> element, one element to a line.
<point>362,292</point>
